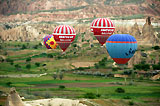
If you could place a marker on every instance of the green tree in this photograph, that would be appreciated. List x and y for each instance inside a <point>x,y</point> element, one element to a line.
<point>11,63</point>
<point>156,47</point>
<point>28,66</point>
<point>9,60</point>
<point>9,84</point>
<point>54,76</point>
<point>24,46</point>
<point>114,69</point>
<point>37,64</point>
<point>61,86</point>
<point>35,47</point>
<point>120,90</point>
<point>40,44</point>
<point>49,55</point>
<point>28,59</point>
<point>90,95</point>
<point>5,53</point>
<point>156,67</point>
<point>142,66</point>
<point>96,65</point>
<point>17,66</point>
<point>61,76</point>
<point>74,45</point>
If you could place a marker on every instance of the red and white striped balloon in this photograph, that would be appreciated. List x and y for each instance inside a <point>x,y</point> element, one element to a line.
<point>102,29</point>
<point>64,35</point>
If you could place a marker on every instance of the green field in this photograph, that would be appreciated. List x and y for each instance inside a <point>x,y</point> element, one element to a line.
<point>73,85</point>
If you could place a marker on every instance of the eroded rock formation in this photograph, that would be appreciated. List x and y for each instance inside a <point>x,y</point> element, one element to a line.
<point>13,99</point>
<point>148,33</point>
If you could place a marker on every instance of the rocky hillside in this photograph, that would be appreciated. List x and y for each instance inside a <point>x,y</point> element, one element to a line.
<point>145,34</point>
<point>50,10</point>
<point>113,7</point>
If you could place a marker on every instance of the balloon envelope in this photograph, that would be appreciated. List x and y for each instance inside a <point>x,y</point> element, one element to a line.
<point>49,42</point>
<point>121,47</point>
<point>102,29</point>
<point>64,35</point>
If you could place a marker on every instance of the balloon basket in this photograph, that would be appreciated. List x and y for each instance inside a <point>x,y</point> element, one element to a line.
<point>63,53</point>
<point>102,46</point>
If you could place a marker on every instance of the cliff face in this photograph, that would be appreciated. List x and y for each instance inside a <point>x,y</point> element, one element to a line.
<point>21,33</point>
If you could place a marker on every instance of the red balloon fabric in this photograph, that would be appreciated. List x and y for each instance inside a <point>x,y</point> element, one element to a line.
<point>102,29</point>
<point>64,35</point>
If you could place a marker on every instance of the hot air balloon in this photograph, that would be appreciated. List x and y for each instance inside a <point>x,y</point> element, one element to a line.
<point>64,35</point>
<point>121,47</point>
<point>49,42</point>
<point>102,29</point>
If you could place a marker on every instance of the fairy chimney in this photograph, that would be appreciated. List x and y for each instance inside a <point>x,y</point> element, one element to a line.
<point>135,31</point>
<point>148,33</point>
<point>13,99</point>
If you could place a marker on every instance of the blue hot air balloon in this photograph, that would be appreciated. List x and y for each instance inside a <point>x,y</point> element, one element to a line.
<point>121,47</point>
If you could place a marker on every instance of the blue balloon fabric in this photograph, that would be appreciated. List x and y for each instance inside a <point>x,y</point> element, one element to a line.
<point>121,47</point>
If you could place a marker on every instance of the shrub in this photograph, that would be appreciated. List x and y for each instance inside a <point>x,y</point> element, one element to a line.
<point>96,66</point>
<point>54,76</point>
<point>61,76</point>
<point>28,66</point>
<point>131,103</point>
<point>24,47</point>
<point>156,67</point>
<point>17,66</point>
<point>98,95</point>
<point>120,90</point>
<point>74,45</point>
<point>50,56</point>
<point>90,95</point>
<point>37,64</point>
<point>35,46</point>
<point>27,96</point>
<point>114,69</point>
<point>156,47</point>
<point>80,68</point>
<point>5,53</point>
<point>127,97</point>
<point>128,72</point>
<point>28,59</point>
<point>97,73</point>
<point>11,63</point>
<point>92,45</point>
<point>47,95</point>
<point>61,87</point>
<point>9,60</point>
<point>1,60</point>
<point>141,78</point>
<point>144,54</point>
<point>9,84</point>
<point>45,69</point>
<point>119,83</point>
<point>142,66</point>
<point>40,44</point>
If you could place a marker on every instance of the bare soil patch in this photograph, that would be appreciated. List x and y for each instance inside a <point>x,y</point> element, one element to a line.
<point>83,64</point>
<point>75,85</point>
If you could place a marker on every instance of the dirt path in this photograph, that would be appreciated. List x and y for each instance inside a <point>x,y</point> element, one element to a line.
<point>22,75</point>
